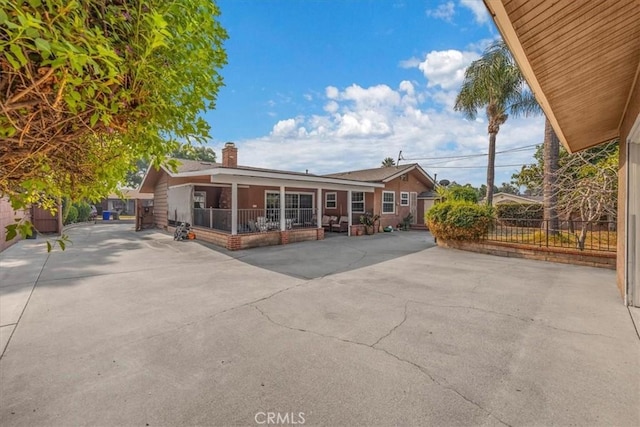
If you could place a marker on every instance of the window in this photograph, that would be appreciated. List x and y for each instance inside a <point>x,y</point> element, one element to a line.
<point>404,199</point>
<point>388,202</point>
<point>298,206</point>
<point>330,200</point>
<point>199,199</point>
<point>357,202</point>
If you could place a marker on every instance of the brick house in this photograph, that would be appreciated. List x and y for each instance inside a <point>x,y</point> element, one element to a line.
<point>408,189</point>
<point>240,207</point>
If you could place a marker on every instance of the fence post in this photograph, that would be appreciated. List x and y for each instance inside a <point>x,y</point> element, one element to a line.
<point>210,218</point>
<point>546,234</point>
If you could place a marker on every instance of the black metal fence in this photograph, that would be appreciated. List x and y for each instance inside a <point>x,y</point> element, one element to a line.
<point>581,235</point>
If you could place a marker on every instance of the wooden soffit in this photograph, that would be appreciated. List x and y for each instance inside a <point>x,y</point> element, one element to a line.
<point>581,59</point>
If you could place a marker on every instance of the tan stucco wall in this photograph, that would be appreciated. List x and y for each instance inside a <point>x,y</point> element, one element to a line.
<point>7,217</point>
<point>630,117</point>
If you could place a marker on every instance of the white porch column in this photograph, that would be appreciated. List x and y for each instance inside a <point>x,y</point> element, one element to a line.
<point>283,220</point>
<point>319,203</point>
<point>349,211</point>
<point>234,208</point>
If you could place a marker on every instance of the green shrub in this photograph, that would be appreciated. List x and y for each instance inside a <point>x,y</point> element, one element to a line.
<point>462,194</point>
<point>456,220</point>
<point>520,214</point>
<point>84,211</point>
<point>72,216</point>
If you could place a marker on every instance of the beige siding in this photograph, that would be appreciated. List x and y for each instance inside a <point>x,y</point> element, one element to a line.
<point>160,213</point>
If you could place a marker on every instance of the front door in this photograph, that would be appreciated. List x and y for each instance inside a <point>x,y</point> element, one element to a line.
<point>413,207</point>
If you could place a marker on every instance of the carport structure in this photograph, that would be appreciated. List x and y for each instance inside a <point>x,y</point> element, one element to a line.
<point>582,62</point>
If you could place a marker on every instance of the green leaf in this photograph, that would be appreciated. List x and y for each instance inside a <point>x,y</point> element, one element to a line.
<point>94,119</point>
<point>48,246</point>
<point>11,232</point>
<point>17,51</point>
<point>62,244</point>
<point>13,61</point>
<point>43,45</point>
<point>3,17</point>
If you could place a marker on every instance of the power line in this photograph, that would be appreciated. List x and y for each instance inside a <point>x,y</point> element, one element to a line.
<point>471,167</point>
<point>512,150</point>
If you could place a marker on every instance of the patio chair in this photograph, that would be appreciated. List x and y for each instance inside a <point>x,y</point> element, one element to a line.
<point>253,226</point>
<point>262,223</point>
<point>340,226</point>
<point>327,221</point>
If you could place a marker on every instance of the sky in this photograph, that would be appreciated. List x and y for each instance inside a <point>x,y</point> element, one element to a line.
<point>330,86</point>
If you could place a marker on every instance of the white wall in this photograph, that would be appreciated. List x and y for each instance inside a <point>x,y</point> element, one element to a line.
<point>180,201</point>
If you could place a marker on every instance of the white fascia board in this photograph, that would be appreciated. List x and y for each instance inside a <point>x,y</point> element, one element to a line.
<point>274,178</point>
<point>205,184</point>
<point>404,171</point>
<point>272,182</point>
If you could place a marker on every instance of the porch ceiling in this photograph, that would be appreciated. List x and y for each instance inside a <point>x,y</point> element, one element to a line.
<point>581,59</point>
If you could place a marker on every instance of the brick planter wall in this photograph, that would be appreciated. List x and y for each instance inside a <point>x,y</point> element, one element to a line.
<point>254,240</point>
<point>512,250</point>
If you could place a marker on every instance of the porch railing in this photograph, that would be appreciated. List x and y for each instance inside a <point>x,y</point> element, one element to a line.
<point>581,235</point>
<point>254,220</point>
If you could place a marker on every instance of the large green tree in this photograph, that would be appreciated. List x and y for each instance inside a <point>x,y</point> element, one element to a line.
<point>87,87</point>
<point>494,83</point>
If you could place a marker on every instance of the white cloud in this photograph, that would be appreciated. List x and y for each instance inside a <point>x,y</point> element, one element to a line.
<point>284,128</point>
<point>444,11</point>
<point>362,125</point>
<point>412,62</point>
<point>331,92</point>
<point>445,68</point>
<point>331,107</point>
<point>477,7</point>
<point>308,96</point>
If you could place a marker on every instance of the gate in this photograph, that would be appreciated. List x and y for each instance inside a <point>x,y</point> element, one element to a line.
<point>44,221</point>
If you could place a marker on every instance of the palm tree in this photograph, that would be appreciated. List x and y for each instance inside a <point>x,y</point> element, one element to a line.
<point>495,82</point>
<point>388,161</point>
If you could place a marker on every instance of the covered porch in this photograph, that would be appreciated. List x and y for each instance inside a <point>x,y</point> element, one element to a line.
<point>240,209</point>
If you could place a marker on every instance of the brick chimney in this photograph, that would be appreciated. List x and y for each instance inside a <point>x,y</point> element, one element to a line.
<point>230,155</point>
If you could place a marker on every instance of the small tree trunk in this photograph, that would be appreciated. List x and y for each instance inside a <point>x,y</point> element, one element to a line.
<point>491,167</point>
<point>551,150</point>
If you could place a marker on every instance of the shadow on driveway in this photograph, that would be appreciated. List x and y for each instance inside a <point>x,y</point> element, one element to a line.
<point>337,253</point>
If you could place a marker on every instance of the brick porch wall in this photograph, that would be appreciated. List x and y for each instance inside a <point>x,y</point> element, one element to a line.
<point>560,255</point>
<point>254,240</point>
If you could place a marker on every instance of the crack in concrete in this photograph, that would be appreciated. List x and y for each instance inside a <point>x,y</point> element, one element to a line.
<point>421,368</point>
<point>392,330</point>
<point>522,319</point>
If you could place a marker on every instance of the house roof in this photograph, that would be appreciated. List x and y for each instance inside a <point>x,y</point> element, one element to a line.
<point>188,166</point>
<point>130,193</point>
<point>429,194</point>
<point>517,198</point>
<point>381,174</point>
<point>220,174</point>
<point>581,60</point>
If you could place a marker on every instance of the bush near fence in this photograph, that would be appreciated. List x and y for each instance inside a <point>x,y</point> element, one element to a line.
<point>458,220</point>
<point>520,214</point>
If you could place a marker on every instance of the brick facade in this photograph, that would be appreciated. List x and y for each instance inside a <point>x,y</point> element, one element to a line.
<point>254,240</point>
<point>560,255</point>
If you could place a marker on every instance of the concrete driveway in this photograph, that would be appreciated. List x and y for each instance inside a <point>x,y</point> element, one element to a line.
<point>129,328</point>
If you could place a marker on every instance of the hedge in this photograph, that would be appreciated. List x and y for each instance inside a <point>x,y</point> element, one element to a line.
<point>520,214</point>
<point>455,220</point>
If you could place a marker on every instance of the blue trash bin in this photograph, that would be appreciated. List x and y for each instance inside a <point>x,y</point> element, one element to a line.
<point>105,215</point>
